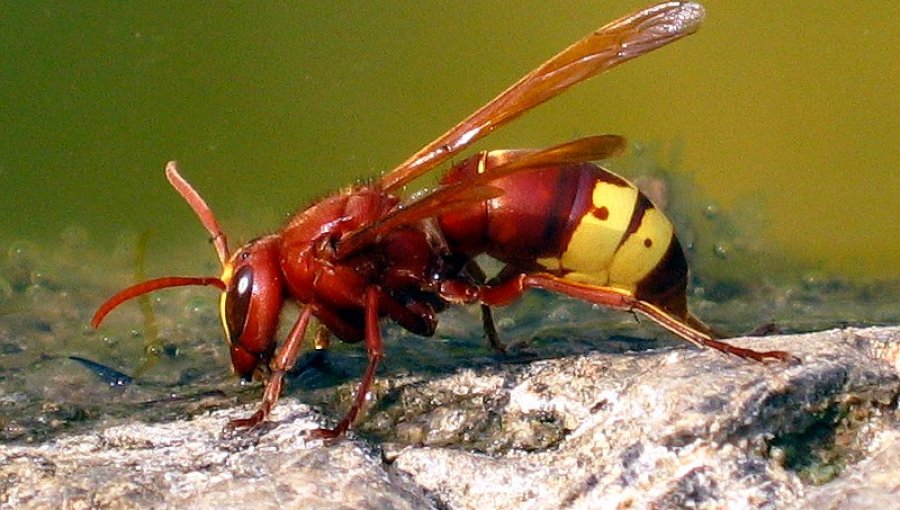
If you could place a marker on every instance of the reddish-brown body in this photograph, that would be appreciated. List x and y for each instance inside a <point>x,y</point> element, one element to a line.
<point>400,264</point>
<point>557,221</point>
<point>523,224</point>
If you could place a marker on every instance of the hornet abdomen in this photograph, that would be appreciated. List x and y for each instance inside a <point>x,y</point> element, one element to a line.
<point>578,221</point>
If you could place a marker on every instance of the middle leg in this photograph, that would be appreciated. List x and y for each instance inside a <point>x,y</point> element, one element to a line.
<point>375,350</point>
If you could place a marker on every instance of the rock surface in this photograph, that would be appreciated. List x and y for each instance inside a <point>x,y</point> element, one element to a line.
<point>667,428</point>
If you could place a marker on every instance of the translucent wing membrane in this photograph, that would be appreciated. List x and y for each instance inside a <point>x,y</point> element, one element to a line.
<point>611,45</point>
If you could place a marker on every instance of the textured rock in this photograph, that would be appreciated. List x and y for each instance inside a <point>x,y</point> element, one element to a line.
<point>192,464</point>
<point>683,427</point>
<point>666,428</point>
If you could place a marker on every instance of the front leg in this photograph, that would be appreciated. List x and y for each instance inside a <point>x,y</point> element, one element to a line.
<point>284,360</point>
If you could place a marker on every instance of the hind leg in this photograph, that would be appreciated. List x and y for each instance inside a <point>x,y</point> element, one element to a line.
<point>688,328</point>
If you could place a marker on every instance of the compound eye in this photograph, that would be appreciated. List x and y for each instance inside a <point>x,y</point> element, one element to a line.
<point>236,303</point>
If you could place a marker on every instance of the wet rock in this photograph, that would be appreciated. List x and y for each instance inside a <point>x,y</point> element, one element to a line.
<point>666,428</point>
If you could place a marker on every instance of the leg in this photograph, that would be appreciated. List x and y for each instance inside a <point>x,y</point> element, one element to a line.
<point>490,330</point>
<point>316,358</point>
<point>376,353</point>
<point>506,292</point>
<point>474,271</point>
<point>512,288</point>
<point>702,339</point>
<point>323,338</point>
<point>284,360</point>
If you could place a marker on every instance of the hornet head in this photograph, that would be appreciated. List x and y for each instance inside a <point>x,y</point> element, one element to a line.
<point>251,284</point>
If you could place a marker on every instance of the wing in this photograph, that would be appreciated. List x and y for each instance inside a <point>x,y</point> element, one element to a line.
<point>478,188</point>
<point>613,44</point>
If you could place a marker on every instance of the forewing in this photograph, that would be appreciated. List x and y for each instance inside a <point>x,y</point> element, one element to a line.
<point>613,44</point>
<point>479,188</point>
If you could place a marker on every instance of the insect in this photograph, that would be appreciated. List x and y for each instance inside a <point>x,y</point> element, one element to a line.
<point>554,219</point>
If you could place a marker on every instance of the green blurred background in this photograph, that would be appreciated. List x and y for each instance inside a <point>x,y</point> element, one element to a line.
<point>787,109</point>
